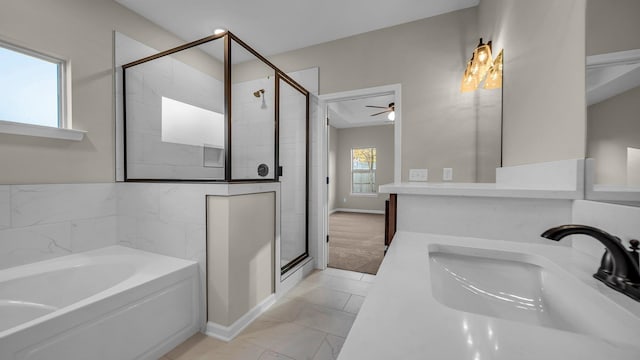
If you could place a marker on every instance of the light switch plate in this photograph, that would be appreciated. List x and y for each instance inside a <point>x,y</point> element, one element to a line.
<point>447,174</point>
<point>418,174</point>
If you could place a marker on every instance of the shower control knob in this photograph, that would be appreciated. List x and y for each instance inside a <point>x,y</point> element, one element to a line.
<point>263,170</point>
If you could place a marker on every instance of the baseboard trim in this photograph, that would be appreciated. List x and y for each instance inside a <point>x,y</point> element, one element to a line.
<point>358,211</point>
<point>292,278</point>
<point>227,333</point>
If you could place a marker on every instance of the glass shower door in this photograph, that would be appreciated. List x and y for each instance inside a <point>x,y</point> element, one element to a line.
<point>293,150</point>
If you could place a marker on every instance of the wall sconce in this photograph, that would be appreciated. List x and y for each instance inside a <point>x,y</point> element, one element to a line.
<point>482,60</point>
<point>479,66</point>
<point>469,81</point>
<point>494,77</point>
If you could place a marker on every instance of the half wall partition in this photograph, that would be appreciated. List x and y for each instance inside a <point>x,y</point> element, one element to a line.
<point>215,110</point>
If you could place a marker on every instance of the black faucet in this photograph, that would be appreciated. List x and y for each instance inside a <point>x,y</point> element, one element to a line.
<point>618,269</point>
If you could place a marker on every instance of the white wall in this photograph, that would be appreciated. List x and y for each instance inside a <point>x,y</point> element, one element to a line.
<point>618,220</point>
<point>509,219</point>
<point>544,107</point>
<point>253,135</point>
<point>333,167</point>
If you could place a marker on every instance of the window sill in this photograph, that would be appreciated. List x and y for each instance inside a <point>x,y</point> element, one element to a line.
<point>10,127</point>
<point>364,194</point>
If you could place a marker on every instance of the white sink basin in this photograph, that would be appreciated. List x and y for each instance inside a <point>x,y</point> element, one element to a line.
<point>526,289</point>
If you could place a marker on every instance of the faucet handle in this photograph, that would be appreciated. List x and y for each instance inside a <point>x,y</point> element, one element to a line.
<point>634,251</point>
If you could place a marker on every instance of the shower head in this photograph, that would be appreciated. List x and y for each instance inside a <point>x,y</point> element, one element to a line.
<point>258,93</point>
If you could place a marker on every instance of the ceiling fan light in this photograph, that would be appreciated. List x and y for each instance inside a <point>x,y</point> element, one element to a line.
<point>391,116</point>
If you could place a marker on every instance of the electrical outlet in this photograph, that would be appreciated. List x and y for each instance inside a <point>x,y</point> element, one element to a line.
<point>418,174</point>
<point>447,174</point>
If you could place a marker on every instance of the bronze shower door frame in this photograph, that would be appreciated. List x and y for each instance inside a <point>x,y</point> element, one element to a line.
<point>228,37</point>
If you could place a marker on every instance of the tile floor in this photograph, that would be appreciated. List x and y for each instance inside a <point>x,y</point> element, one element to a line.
<point>309,323</point>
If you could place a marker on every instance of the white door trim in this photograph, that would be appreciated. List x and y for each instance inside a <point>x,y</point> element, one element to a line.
<point>324,100</point>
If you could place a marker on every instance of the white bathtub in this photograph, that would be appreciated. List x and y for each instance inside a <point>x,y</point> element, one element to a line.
<point>114,303</point>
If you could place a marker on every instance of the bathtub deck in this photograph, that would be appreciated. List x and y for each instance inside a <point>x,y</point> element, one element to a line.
<point>310,322</point>
<point>98,300</point>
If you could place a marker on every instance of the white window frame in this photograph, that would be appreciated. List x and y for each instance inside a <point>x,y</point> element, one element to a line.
<point>351,172</point>
<point>64,129</point>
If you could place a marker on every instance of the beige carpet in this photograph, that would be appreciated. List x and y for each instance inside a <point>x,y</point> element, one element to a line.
<point>356,241</point>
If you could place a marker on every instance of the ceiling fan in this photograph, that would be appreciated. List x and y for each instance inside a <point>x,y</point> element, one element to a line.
<point>391,109</point>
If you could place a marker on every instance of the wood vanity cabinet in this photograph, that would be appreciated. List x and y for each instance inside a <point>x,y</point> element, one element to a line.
<point>390,215</point>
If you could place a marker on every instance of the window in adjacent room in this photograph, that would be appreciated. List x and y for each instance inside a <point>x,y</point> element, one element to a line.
<point>363,170</point>
<point>31,87</point>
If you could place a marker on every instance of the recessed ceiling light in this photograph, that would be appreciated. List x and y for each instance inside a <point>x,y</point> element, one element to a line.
<point>219,31</point>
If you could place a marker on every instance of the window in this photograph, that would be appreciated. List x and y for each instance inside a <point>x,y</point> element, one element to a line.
<point>363,170</point>
<point>31,87</point>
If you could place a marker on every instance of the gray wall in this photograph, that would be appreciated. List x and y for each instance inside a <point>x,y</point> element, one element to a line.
<point>488,136</point>
<point>241,258</point>
<point>82,32</point>
<point>428,58</point>
<point>612,26</point>
<point>380,137</point>
<point>544,109</point>
<point>613,125</point>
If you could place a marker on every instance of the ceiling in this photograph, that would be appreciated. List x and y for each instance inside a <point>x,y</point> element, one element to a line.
<point>273,27</point>
<point>354,113</point>
<point>611,74</point>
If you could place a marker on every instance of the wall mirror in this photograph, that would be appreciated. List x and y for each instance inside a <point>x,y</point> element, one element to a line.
<point>482,100</point>
<point>613,101</point>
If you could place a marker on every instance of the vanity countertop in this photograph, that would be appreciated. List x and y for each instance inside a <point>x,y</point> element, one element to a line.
<point>621,194</point>
<point>480,190</point>
<point>401,319</point>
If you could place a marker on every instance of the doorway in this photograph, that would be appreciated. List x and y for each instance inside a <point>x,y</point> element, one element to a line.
<point>361,152</point>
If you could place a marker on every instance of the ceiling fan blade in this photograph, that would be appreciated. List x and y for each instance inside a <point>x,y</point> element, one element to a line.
<point>378,107</point>
<point>386,111</point>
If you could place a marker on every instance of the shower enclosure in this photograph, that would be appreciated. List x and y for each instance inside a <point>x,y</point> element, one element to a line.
<point>215,110</point>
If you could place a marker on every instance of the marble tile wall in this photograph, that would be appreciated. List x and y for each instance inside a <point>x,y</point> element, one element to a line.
<point>39,222</point>
<point>253,131</point>
<point>167,219</point>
